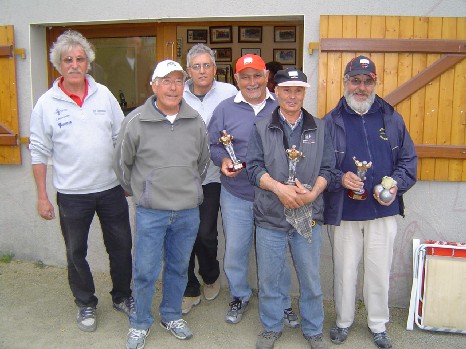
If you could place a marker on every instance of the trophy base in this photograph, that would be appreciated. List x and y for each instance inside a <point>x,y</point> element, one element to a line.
<point>357,195</point>
<point>238,166</point>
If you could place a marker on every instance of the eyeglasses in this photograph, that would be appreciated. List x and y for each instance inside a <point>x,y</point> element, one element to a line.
<point>203,65</point>
<point>170,82</point>
<point>357,82</point>
<point>79,60</point>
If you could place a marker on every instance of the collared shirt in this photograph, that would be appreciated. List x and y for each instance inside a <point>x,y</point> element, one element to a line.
<point>256,107</point>
<point>74,97</point>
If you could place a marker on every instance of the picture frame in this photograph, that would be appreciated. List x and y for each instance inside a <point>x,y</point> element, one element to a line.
<point>285,56</point>
<point>253,51</point>
<point>284,34</point>
<point>223,54</point>
<point>196,35</point>
<point>250,34</point>
<point>220,34</point>
<point>224,73</point>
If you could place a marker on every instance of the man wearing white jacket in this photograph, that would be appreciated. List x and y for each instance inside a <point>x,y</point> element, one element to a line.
<point>76,123</point>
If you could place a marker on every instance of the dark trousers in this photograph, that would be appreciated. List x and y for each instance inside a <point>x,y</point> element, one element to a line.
<point>205,247</point>
<point>76,214</point>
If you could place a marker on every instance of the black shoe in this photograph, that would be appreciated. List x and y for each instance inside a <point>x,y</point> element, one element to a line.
<point>381,339</point>
<point>338,334</point>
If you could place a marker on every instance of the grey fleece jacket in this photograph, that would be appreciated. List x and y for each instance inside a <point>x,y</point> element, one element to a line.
<point>162,164</point>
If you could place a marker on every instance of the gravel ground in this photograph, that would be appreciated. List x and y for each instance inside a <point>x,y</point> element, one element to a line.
<point>37,311</point>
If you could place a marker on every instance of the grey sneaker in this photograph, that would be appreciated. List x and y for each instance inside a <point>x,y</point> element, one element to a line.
<point>179,328</point>
<point>86,319</point>
<point>290,318</point>
<point>136,338</point>
<point>126,306</point>
<point>266,339</point>
<point>381,339</point>
<point>317,342</point>
<point>237,308</point>
<point>339,334</point>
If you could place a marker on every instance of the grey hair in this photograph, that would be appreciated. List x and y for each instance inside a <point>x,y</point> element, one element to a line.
<point>200,49</point>
<point>67,41</point>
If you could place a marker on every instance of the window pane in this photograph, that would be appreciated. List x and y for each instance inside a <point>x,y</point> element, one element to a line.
<point>125,66</point>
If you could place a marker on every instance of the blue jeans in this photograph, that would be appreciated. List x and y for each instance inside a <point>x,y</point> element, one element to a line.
<point>162,234</point>
<point>76,214</point>
<point>271,247</point>
<point>238,227</point>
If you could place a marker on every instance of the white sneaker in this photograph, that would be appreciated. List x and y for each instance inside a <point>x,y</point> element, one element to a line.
<point>86,319</point>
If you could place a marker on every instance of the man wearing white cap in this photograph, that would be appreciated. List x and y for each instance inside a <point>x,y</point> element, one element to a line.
<point>161,158</point>
<point>290,161</point>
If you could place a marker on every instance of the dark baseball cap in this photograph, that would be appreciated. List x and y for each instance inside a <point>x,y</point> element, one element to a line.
<point>361,65</point>
<point>291,77</point>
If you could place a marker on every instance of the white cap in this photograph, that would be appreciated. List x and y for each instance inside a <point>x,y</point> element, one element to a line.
<point>166,67</point>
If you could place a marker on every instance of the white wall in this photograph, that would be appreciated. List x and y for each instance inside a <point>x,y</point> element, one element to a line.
<point>434,210</point>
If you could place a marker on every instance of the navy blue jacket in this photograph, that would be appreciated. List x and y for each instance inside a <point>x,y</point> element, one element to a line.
<point>404,158</point>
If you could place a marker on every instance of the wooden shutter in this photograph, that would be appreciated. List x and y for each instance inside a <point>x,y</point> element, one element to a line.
<point>9,129</point>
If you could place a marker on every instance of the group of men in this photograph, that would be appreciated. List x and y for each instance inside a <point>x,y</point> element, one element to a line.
<point>296,173</point>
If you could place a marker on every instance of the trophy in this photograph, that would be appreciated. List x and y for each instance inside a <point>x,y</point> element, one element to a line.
<point>226,140</point>
<point>293,155</point>
<point>362,167</point>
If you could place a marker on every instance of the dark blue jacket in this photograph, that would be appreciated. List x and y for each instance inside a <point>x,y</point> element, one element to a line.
<point>403,156</point>
<point>266,153</point>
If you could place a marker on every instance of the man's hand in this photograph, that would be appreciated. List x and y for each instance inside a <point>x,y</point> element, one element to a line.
<point>291,196</point>
<point>393,190</point>
<point>45,209</point>
<point>227,165</point>
<point>351,181</point>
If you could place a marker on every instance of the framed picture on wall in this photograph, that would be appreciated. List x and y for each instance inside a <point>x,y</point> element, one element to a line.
<point>284,34</point>
<point>252,51</point>
<point>220,34</point>
<point>285,55</point>
<point>223,54</point>
<point>224,73</point>
<point>249,34</point>
<point>197,35</point>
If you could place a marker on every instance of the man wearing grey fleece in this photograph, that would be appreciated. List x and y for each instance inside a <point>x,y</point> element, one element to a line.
<point>161,158</point>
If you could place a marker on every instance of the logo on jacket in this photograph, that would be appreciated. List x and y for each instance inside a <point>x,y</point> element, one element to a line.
<point>61,124</point>
<point>309,138</point>
<point>383,135</point>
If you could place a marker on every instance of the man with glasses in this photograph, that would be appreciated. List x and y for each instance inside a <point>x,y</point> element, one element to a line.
<point>161,158</point>
<point>203,93</point>
<point>236,115</point>
<point>365,129</point>
<point>76,123</point>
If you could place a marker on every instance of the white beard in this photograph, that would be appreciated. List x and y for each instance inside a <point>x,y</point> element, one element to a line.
<point>359,107</point>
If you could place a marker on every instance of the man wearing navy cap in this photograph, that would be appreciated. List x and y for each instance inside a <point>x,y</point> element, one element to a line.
<point>289,162</point>
<point>365,128</point>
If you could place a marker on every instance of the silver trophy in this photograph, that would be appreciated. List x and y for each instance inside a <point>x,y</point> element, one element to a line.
<point>294,156</point>
<point>362,167</point>
<point>226,139</point>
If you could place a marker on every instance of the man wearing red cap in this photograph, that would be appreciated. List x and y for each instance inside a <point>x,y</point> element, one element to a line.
<point>236,115</point>
<point>365,129</point>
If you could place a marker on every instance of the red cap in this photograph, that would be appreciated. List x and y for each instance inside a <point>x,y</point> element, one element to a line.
<point>250,61</point>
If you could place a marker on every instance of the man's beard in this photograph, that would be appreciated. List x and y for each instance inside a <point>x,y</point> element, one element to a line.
<point>359,107</point>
